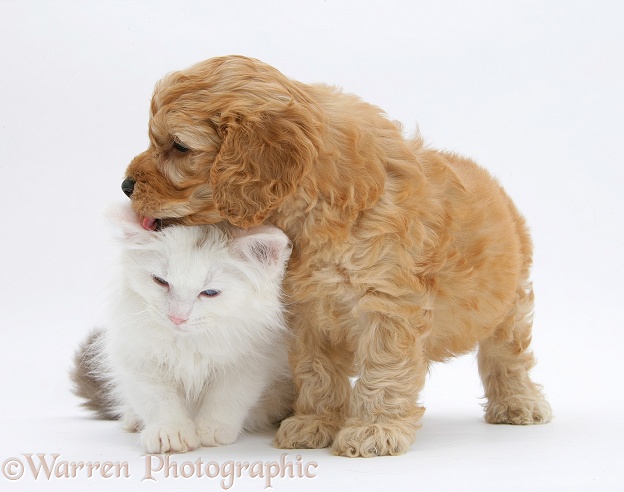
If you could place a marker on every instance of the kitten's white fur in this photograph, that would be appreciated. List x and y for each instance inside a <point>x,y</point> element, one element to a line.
<point>201,381</point>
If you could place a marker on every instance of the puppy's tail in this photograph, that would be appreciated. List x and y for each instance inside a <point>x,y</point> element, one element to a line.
<point>91,380</point>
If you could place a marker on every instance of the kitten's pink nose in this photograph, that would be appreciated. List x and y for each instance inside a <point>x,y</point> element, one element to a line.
<point>177,321</point>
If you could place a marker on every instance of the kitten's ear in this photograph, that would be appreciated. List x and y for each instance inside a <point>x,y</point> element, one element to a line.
<point>266,245</point>
<point>127,224</point>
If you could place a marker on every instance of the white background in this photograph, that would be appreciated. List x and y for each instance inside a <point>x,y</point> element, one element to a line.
<point>533,90</point>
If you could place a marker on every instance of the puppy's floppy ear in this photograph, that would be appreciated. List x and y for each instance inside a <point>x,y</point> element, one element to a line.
<point>261,162</point>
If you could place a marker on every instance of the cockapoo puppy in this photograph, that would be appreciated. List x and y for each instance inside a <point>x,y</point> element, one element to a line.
<point>403,255</point>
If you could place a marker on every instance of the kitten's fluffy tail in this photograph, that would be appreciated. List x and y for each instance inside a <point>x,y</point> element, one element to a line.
<point>91,382</point>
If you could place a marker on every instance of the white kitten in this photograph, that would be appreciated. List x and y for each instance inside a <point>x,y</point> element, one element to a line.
<point>194,350</point>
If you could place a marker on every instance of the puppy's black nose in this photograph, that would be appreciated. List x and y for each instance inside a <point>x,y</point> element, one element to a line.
<point>128,186</point>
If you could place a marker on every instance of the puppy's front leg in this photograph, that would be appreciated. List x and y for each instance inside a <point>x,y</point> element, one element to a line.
<point>384,411</point>
<point>321,364</point>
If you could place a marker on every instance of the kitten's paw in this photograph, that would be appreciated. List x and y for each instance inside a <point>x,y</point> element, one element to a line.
<point>518,411</point>
<point>170,438</point>
<point>212,434</point>
<point>306,431</point>
<point>369,440</point>
<point>131,422</point>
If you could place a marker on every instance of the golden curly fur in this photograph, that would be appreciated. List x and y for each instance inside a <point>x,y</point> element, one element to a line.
<point>403,255</point>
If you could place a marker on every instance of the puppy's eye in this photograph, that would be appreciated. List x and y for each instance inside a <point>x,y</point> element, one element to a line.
<point>179,147</point>
<point>160,281</point>
<point>210,293</point>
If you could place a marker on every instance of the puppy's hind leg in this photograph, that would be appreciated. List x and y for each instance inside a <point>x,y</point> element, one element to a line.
<point>504,362</point>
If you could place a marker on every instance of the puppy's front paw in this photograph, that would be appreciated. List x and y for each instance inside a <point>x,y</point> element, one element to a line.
<point>367,440</point>
<point>170,438</point>
<point>518,411</point>
<point>306,432</point>
<point>215,434</point>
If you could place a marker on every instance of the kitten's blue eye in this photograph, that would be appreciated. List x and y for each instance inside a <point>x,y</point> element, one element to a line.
<point>210,293</point>
<point>160,281</point>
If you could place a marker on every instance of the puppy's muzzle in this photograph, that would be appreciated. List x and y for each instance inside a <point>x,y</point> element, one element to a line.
<point>127,186</point>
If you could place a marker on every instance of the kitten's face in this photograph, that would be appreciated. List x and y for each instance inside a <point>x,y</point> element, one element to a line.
<point>188,279</point>
<point>204,278</point>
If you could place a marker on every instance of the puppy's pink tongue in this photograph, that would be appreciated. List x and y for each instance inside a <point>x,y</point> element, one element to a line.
<point>148,223</point>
